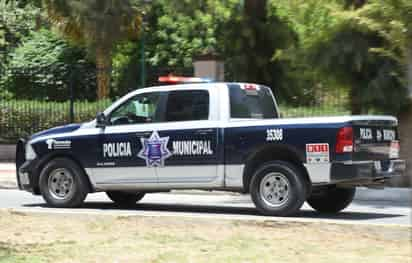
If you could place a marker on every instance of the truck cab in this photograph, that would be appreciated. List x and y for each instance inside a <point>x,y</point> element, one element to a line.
<point>211,136</point>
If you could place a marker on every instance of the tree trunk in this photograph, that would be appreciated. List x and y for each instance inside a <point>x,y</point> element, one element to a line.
<point>355,3</point>
<point>409,73</point>
<point>104,67</point>
<point>255,9</point>
<point>255,17</point>
<point>355,101</point>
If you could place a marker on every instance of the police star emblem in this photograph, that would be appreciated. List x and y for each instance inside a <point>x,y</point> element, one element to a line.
<point>154,150</point>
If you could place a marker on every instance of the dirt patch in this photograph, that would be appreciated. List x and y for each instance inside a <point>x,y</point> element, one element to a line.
<point>90,238</point>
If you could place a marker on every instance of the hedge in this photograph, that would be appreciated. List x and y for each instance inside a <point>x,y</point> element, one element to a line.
<point>20,118</point>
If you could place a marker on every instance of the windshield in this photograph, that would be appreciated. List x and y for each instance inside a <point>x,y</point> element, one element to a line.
<point>249,101</point>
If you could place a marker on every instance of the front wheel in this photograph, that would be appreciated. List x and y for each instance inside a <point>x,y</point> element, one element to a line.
<point>331,199</point>
<point>63,183</point>
<point>278,189</point>
<point>124,198</point>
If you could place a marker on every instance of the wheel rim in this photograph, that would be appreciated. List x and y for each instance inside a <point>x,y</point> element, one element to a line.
<point>274,189</point>
<point>61,183</point>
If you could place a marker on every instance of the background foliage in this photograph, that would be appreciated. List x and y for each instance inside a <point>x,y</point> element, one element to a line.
<point>41,68</point>
<point>320,57</point>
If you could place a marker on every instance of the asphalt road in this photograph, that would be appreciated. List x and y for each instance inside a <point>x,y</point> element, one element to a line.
<point>218,206</point>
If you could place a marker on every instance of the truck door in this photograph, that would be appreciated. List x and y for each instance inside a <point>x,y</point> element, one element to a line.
<point>120,142</point>
<point>192,141</point>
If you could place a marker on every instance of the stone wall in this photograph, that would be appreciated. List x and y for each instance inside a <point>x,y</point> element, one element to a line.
<point>209,66</point>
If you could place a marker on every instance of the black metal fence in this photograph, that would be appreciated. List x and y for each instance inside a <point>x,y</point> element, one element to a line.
<point>22,117</point>
<point>31,101</point>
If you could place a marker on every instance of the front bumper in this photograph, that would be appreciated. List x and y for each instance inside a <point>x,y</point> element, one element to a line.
<point>366,171</point>
<point>25,175</point>
<point>25,170</point>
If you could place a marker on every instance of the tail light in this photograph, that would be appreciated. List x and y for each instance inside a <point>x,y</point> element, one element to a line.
<point>344,140</point>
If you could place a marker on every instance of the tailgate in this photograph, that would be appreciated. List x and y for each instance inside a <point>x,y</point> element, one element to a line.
<point>375,139</point>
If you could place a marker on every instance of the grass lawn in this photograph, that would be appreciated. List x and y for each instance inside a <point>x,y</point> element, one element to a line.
<point>90,238</point>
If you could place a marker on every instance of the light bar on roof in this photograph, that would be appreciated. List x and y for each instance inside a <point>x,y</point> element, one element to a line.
<point>177,79</point>
<point>250,87</point>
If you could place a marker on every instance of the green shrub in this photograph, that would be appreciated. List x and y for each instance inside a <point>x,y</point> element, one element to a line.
<point>21,118</point>
<point>44,65</point>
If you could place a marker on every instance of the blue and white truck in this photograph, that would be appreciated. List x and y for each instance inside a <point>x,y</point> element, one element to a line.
<point>211,136</point>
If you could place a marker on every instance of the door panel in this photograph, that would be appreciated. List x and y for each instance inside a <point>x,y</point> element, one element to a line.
<point>120,144</point>
<point>194,158</point>
<point>193,143</point>
<point>118,159</point>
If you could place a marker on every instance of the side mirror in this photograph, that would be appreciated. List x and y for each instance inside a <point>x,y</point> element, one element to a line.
<point>101,120</point>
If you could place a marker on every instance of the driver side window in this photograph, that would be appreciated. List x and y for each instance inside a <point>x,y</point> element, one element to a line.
<point>143,108</point>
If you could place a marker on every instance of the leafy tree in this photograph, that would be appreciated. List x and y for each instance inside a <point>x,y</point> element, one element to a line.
<point>246,36</point>
<point>179,30</point>
<point>373,79</point>
<point>15,23</point>
<point>42,66</point>
<point>98,24</point>
<point>249,45</point>
<point>392,20</point>
<point>361,51</point>
<point>126,62</point>
<point>175,32</point>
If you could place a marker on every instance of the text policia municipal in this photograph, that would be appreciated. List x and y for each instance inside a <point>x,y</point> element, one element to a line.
<point>124,149</point>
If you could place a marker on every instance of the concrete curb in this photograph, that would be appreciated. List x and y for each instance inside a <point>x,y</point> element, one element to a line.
<point>8,185</point>
<point>388,194</point>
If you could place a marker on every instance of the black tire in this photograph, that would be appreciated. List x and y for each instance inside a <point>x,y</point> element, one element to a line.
<point>331,199</point>
<point>125,199</point>
<point>47,183</point>
<point>296,186</point>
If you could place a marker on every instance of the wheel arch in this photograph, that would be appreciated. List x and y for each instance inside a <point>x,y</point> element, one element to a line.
<point>273,153</point>
<point>46,159</point>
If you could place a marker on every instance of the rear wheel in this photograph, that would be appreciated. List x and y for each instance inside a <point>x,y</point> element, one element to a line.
<point>125,198</point>
<point>278,189</point>
<point>63,183</point>
<point>331,199</point>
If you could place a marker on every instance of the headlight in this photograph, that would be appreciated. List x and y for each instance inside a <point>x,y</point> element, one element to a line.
<point>30,153</point>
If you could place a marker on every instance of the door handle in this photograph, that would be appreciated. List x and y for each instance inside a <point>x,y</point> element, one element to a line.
<point>204,131</point>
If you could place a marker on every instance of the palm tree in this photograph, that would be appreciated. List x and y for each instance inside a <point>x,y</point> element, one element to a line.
<point>99,25</point>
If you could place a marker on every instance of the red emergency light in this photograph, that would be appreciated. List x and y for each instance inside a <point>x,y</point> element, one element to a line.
<point>170,79</point>
<point>250,87</point>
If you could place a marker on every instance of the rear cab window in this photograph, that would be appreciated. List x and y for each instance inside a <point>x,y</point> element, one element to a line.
<point>187,105</point>
<point>248,101</point>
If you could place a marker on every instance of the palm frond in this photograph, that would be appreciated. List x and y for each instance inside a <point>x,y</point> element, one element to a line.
<point>95,22</point>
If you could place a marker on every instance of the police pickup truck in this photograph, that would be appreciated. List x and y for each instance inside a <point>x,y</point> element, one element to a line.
<point>211,136</point>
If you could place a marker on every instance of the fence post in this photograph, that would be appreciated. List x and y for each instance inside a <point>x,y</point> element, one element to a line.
<point>71,90</point>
